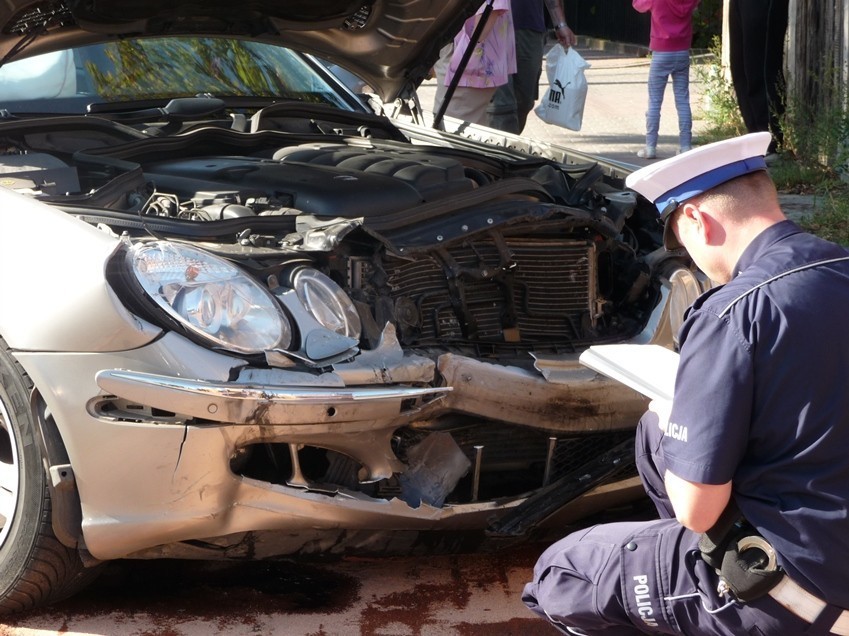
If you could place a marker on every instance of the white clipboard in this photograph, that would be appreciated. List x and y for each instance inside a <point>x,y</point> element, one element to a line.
<point>648,369</point>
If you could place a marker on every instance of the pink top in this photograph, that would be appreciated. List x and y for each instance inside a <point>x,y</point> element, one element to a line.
<point>671,23</point>
<point>494,57</point>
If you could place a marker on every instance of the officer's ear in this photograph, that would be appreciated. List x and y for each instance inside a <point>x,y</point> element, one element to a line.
<point>696,224</point>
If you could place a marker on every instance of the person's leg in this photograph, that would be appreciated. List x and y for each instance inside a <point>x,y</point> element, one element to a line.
<point>748,29</point>
<point>529,52</point>
<point>470,104</point>
<point>774,68</point>
<point>736,56</point>
<point>650,464</point>
<point>623,579</point>
<point>512,102</point>
<point>681,91</point>
<point>501,112</point>
<point>659,71</point>
<point>614,579</point>
<point>441,69</point>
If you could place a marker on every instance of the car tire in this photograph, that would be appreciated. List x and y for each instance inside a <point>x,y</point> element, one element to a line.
<point>35,568</point>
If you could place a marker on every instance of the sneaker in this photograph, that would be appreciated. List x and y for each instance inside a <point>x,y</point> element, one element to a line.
<point>649,152</point>
<point>684,149</point>
<point>771,157</point>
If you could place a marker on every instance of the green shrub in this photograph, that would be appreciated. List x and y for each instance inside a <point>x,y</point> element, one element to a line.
<point>831,220</point>
<point>719,108</point>
<point>794,176</point>
<point>707,23</point>
<point>818,136</point>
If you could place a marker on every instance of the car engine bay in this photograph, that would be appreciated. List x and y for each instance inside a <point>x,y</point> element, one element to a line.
<point>452,247</point>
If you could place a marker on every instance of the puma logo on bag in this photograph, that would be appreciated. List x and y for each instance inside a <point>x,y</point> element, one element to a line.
<point>556,94</point>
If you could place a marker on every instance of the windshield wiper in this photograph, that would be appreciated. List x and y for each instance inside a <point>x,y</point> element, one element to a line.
<point>174,114</point>
<point>177,110</point>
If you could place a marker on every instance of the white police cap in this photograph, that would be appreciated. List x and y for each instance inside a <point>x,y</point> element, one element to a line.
<point>671,182</point>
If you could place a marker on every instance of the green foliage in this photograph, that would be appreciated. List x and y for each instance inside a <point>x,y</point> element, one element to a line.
<point>831,219</point>
<point>815,158</point>
<point>720,109</point>
<point>830,194</point>
<point>794,176</point>
<point>815,136</point>
<point>707,23</point>
<point>818,136</point>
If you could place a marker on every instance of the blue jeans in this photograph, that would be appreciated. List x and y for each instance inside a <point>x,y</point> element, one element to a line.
<point>663,65</point>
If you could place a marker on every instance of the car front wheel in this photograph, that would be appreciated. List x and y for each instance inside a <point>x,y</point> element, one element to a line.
<point>35,568</point>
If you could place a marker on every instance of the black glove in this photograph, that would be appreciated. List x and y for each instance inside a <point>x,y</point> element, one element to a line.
<point>745,561</point>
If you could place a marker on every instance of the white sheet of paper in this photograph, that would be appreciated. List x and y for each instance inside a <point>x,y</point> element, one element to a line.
<point>648,369</point>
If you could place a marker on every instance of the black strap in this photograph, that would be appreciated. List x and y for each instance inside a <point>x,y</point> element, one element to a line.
<point>464,61</point>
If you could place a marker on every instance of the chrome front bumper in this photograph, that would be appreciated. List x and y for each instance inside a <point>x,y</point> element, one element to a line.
<point>235,403</point>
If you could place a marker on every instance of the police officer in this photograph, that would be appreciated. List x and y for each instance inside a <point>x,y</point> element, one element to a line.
<point>750,468</point>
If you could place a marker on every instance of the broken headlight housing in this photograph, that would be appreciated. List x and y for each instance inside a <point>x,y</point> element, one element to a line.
<point>210,297</point>
<point>326,301</point>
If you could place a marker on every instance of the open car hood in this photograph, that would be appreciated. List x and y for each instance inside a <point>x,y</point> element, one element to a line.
<point>390,44</point>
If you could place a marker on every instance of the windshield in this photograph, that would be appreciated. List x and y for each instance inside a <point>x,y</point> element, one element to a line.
<point>161,69</point>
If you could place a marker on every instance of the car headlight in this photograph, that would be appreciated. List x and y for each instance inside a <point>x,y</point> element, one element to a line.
<point>211,297</point>
<point>326,301</point>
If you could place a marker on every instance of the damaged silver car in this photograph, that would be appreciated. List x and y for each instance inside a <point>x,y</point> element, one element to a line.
<point>247,313</point>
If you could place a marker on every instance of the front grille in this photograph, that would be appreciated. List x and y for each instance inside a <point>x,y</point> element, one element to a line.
<point>497,290</point>
<point>515,459</point>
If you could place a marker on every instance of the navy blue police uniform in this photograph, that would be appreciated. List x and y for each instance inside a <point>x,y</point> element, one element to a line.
<point>764,360</point>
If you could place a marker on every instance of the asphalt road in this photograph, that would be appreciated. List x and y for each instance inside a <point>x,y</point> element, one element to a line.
<point>469,594</point>
<point>465,595</point>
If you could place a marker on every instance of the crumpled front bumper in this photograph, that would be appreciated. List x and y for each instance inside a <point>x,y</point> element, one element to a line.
<point>154,468</point>
<point>236,403</point>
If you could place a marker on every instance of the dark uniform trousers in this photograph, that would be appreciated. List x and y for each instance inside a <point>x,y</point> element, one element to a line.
<point>648,577</point>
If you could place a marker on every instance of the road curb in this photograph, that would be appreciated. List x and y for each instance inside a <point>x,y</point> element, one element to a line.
<point>615,48</point>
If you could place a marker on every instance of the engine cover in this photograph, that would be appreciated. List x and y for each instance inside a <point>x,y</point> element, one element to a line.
<point>323,180</point>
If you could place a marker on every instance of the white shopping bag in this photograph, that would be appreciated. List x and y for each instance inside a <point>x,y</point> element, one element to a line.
<point>563,102</point>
